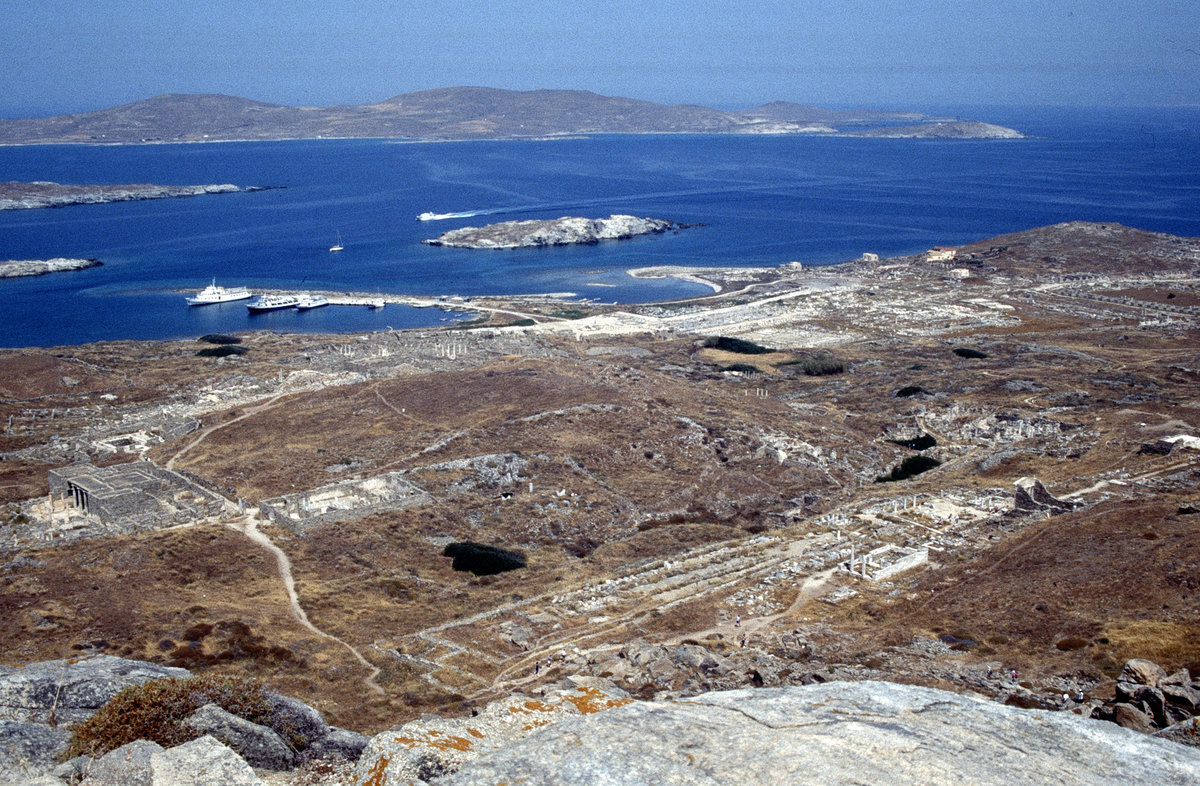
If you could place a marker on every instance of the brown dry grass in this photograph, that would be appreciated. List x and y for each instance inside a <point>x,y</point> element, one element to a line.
<point>1118,577</point>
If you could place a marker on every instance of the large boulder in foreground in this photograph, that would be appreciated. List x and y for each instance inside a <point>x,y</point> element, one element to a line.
<point>28,750</point>
<point>71,690</point>
<point>836,733</point>
<point>431,747</point>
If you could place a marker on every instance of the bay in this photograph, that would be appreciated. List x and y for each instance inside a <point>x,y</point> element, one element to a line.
<point>761,201</point>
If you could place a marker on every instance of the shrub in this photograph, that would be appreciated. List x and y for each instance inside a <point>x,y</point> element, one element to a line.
<point>156,710</point>
<point>482,560</point>
<point>744,368</point>
<point>221,351</point>
<point>817,366</point>
<point>910,467</point>
<point>922,442</point>
<point>910,390</point>
<point>967,352</point>
<point>737,345</point>
<point>219,338</point>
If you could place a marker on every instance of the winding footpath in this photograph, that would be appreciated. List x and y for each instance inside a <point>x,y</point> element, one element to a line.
<point>248,526</point>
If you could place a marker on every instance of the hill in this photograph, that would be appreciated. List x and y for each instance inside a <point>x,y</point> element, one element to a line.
<point>445,113</point>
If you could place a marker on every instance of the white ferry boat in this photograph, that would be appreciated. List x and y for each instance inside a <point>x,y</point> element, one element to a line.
<point>305,302</point>
<point>215,294</point>
<point>272,303</point>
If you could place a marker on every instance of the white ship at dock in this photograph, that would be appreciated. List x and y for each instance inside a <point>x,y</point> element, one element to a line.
<point>215,294</point>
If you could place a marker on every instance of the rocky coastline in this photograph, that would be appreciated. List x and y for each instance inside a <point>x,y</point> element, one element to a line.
<point>42,193</point>
<point>565,231</point>
<point>16,268</point>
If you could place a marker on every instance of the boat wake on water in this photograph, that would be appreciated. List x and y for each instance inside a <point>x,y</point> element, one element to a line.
<point>608,201</point>
<point>444,216</point>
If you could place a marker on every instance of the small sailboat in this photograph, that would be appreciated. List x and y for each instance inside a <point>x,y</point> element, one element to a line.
<point>338,245</point>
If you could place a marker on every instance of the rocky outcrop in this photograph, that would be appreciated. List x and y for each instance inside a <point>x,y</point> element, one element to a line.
<point>566,231</point>
<point>201,762</point>
<point>1147,699</point>
<point>258,745</point>
<point>1031,495</point>
<point>128,765</point>
<point>39,701</point>
<point>15,268</point>
<point>432,747</point>
<point>837,733</point>
<point>70,691</point>
<point>29,749</point>
<point>28,196</point>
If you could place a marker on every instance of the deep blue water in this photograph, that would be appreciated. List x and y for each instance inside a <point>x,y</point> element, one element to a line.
<point>764,200</point>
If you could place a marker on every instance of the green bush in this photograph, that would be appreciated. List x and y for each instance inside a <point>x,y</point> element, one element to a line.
<point>221,351</point>
<point>483,560</point>
<point>219,338</point>
<point>910,467</point>
<point>740,346</point>
<point>910,390</point>
<point>156,710</point>
<point>744,368</point>
<point>918,443</point>
<point>967,352</point>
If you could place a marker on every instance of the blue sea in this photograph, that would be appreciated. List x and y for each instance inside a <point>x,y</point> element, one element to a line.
<point>760,200</point>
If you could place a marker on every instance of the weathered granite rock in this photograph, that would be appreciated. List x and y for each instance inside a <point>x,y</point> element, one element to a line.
<point>1185,733</point>
<point>258,745</point>
<point>28,750</point>
<point>201,762</point>
<point>70,691</point>
<point>128,765</point>
<point>15,268</point>
<point>564,231</point>
<point>338,743</point>
<point>300,724</point>
<point>1130,717</point>
<point>837,733</point>
<point>433,746</point>
<point>1140,671</point>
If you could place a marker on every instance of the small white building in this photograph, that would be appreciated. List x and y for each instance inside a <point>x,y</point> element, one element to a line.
<point>959,272</point>
<point>869,257</point>
<point>941,254</point>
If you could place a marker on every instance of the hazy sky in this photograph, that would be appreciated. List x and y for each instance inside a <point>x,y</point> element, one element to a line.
<point>74,55</point>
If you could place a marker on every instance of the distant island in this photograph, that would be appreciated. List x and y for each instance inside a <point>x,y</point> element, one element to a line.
<point>566,231</point>
<point>43,193</point>
<point>455,113</point>
<point>16,268</point>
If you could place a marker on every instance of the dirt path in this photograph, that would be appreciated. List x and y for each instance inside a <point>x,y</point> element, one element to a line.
<point>249,527</point>
<point>254,410</point>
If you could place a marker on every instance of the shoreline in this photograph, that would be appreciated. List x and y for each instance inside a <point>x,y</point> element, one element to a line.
<point>688,274</point>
